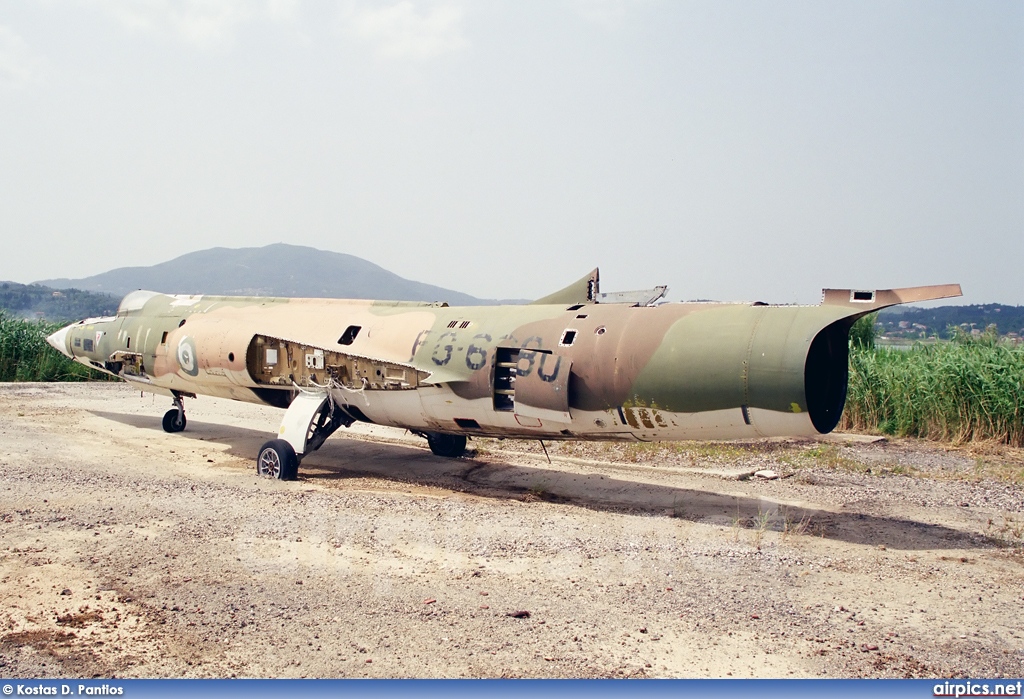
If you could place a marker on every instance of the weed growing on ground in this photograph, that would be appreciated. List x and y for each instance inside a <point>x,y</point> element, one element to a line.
<point>1010,532</point>
<point>539,489</point>
<point>677,508</point>
<point>794,527</point>
<point>760,526</point>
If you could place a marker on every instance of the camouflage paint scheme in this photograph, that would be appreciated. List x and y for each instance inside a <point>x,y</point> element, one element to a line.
<point>562,368</point>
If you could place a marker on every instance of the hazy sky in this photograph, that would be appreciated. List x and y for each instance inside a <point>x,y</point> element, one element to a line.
<point>732,150</point>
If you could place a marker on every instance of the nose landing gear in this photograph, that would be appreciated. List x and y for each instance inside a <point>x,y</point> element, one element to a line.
<point>174,419</point>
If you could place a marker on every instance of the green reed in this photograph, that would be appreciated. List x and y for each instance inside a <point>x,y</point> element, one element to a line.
<point>26,356</point>
<point>971,388</point>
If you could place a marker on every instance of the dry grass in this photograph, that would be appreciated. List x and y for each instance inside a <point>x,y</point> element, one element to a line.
<point>973,461</point>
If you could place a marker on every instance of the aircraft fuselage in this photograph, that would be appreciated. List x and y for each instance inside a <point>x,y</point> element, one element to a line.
<point>553,371</point>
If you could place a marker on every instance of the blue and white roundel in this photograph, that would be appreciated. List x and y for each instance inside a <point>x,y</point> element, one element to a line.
<point>187,356</point>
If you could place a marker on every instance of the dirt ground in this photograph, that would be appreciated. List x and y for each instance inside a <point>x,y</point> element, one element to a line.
<point>129,552</point>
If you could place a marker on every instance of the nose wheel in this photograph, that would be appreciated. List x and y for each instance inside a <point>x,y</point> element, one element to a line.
<point>174,419</point>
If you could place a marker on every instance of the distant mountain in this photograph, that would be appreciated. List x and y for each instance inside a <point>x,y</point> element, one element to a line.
<point>274,270</point>
<point>36,301</point>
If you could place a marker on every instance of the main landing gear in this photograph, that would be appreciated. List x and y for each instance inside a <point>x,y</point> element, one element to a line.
<point>277,459</point>
<point>174,419</point>
<point>309,421</point>
<point>451,445</point>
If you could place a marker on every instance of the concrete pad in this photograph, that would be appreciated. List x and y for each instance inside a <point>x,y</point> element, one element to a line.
<point>851,438</point>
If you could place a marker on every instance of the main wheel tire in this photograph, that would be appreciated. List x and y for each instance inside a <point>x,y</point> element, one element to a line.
<point>174,420</point>
<point>277,459</point>
<point>450,445</point>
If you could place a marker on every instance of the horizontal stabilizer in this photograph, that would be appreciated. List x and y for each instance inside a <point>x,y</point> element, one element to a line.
<point>866,300</point>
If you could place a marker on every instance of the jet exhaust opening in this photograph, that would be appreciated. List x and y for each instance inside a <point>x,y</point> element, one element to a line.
<point>826,372</point>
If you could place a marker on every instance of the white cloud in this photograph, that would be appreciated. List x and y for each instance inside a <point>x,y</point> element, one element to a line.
<point>403,31</point>
<point>202,22</point>
<point>17,64</point>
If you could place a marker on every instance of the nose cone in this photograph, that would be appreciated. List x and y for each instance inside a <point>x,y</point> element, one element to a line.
<point>59,341</point>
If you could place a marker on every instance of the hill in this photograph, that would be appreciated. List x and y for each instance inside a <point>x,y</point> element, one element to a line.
<point>913,322</point>
<point>273,270</point>
<point>298,271</point>
<point>37,301</point>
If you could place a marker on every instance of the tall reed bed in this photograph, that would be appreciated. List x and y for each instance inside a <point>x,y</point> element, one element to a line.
<point>963,390</point>
<point>26,356</point>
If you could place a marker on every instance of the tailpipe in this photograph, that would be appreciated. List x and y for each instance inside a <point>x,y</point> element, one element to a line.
<point>826,373</point>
